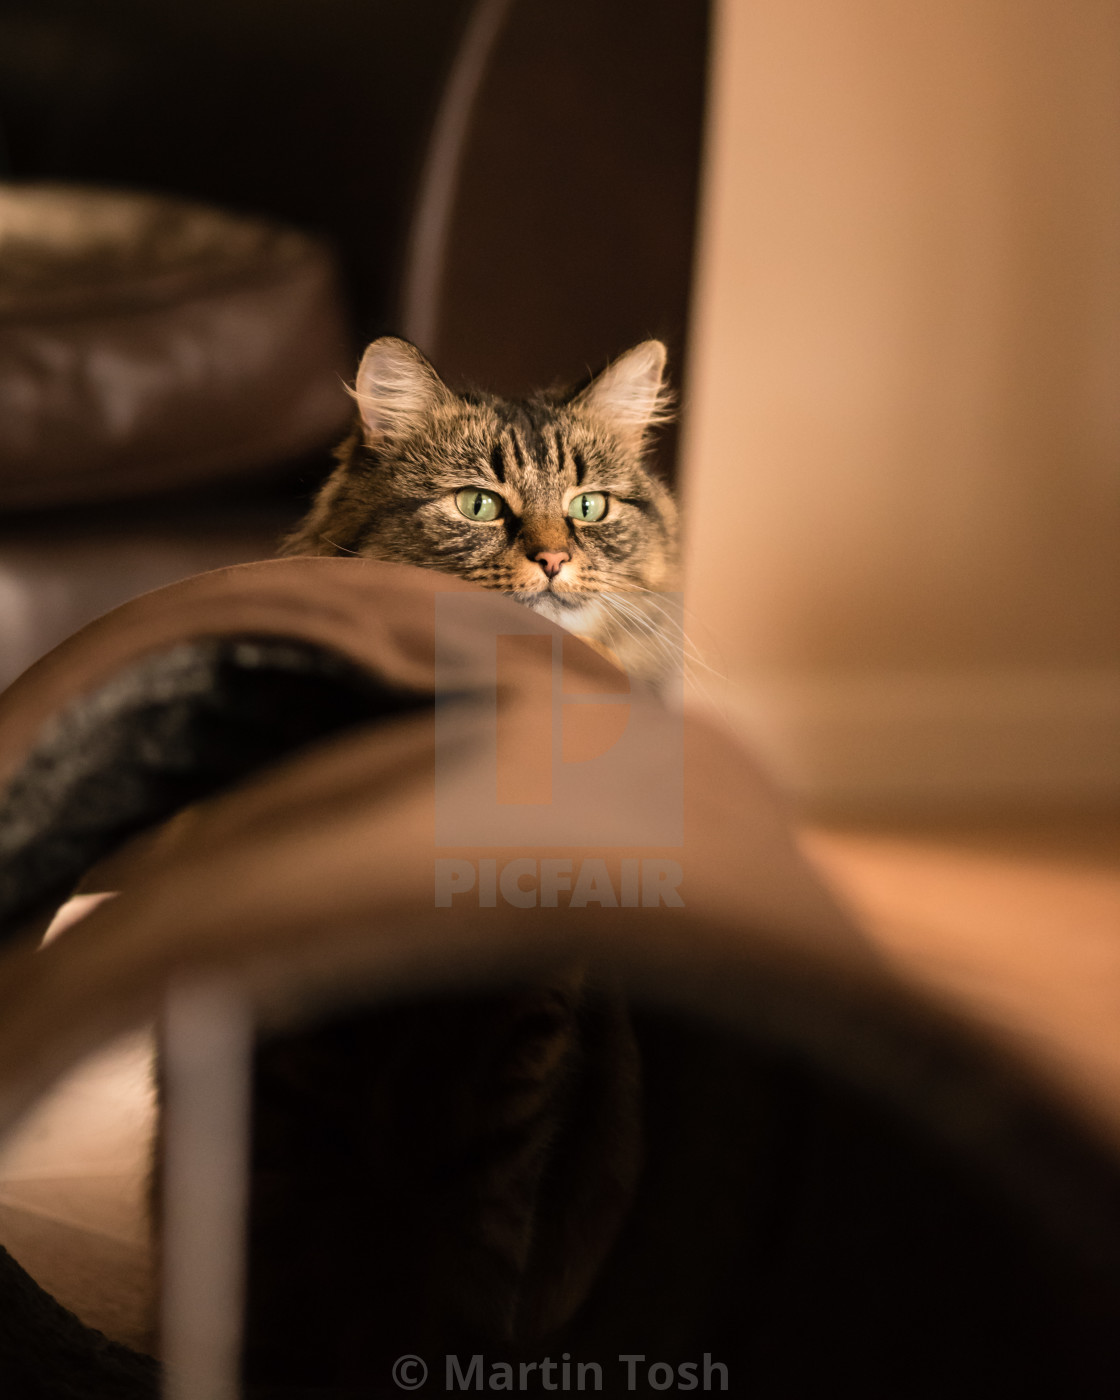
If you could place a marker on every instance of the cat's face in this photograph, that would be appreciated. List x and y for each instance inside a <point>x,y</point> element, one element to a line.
<point>546,500</point>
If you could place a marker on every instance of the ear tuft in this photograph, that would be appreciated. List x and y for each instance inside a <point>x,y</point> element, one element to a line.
<point>630,395</point>
<point>396,390</point>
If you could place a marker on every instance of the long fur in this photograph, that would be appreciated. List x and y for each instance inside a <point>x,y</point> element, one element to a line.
<point>416,444</point>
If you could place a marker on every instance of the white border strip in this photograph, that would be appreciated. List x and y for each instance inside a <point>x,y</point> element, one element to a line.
<point>206,1049</point>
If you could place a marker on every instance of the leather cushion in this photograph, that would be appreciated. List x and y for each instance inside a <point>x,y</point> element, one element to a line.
<point>148,342</point>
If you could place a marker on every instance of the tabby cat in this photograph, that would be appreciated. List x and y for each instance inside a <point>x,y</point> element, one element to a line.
<point>480,1158</point>
<point>547,500</point>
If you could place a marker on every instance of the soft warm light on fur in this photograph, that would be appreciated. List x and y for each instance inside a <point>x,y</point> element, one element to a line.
<point>396,389</point>
<point>418,446</point>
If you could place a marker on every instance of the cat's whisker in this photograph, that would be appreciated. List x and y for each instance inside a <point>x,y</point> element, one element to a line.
<point>691,615</point>
<point>647,624</point>
<point>340,548</point>
<point>651,641</point>
<point>646,635</point>
<point>691,651</point>
<point>621,617</point>
<point>675,648</point>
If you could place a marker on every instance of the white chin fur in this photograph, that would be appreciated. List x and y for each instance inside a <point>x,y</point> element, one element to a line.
<point>580,620</point>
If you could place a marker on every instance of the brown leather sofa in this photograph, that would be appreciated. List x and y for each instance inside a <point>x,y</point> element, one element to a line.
<point>206,214</point>
<point>844,1187</point>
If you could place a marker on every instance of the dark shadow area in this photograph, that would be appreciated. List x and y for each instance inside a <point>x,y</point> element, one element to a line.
<point>175,728</point>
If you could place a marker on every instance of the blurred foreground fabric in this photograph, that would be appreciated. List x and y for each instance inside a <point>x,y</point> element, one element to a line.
<point>845,1179</point>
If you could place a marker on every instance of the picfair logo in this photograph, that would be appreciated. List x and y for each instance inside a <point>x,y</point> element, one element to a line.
<point>560,758</point>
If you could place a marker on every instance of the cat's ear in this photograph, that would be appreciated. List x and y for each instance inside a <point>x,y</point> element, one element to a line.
<point>396,390</point>
<point>629,395</point>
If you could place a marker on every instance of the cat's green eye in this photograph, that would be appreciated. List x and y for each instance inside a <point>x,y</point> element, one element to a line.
<point>588,506</point>
<point>479,505</point>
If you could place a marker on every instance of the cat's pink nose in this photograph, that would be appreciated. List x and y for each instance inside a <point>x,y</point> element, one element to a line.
<point>551,561</point>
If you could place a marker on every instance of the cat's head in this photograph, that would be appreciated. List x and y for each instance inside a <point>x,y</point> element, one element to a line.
<point>547,500</point>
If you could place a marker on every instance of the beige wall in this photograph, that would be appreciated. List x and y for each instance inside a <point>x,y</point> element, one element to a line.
<point>902,450</point>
